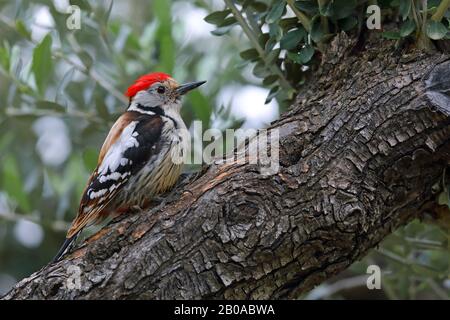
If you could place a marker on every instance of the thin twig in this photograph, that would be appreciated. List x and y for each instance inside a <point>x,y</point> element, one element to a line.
<point>440,11</point>
<point>93,74</point>
<point>254,25</point>
<point>246,28</point>
<point>323,20</point>
<point>424,14</point>
<point>14,112</point>
<point>437,289</point>
<point>424,243</point>
<point>326,291</point>
<point>415,16</point>
<point>408,263</point>
<point>58,226</point>
<point>304,20</point>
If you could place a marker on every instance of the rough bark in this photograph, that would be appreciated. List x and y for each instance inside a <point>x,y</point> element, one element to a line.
<point>360,150</point>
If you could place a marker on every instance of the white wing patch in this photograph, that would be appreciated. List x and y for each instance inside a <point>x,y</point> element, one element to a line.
<point>112,176</point>
<point>99,193</point>
<point>114,157</point>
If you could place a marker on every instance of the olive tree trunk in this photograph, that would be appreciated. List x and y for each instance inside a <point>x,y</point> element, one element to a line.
<point>360,150</point>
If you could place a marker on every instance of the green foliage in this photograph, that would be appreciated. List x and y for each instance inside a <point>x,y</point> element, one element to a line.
<point>13,182</point>
<point>275,12</point>
<point>407,28</point>
<point>414,262</point>
<point>436,30</point>
<point>304,27</point>
<point>161,8</point>
<point>201,107</point>
<point>42,62</point>
<point>78,77</point>
<point>291,39</point>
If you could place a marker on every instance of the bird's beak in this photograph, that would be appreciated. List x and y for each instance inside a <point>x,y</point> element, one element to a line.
<point>184,88</point>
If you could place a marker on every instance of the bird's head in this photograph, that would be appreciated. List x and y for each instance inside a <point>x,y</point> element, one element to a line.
<point>158,90</point>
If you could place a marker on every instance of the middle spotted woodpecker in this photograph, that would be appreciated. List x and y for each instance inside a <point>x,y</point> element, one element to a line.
<point>136,161</point>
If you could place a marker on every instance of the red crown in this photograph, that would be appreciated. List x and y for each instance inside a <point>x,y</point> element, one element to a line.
<point>146,81</point>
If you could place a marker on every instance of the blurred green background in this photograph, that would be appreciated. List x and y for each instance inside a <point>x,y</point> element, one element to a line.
<point>61,89</point>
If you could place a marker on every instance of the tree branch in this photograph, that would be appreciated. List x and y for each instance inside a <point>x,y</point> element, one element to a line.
<point>359,153</point>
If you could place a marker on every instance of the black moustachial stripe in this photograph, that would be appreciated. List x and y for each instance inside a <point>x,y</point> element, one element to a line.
<point>158,111</point>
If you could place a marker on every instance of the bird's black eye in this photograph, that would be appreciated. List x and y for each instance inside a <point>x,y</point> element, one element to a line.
<point>161,89</point>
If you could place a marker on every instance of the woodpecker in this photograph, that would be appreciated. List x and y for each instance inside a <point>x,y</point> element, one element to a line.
<point>136,162</point>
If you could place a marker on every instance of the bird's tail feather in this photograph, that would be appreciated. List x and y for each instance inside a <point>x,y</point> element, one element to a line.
<point>67,245</point>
